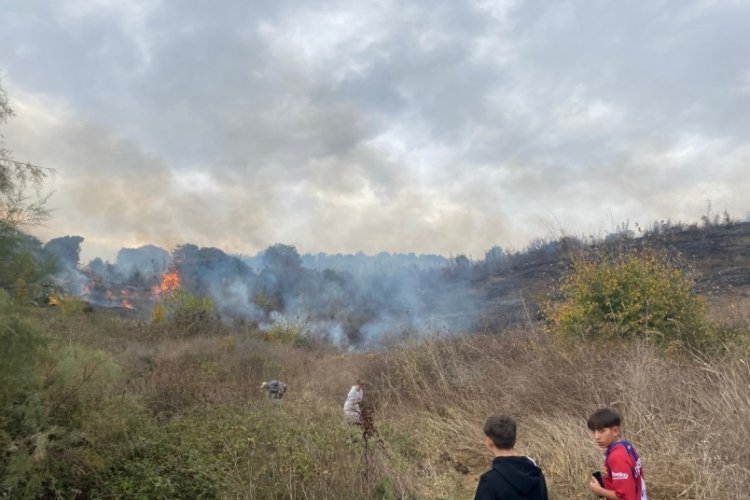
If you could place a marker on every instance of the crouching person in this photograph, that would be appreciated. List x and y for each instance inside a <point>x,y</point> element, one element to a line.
<point>512,477</point>
<point>275,388</point>
<point>352,405</point>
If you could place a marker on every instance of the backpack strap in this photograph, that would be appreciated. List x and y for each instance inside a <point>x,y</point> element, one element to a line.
<point>630,450</point>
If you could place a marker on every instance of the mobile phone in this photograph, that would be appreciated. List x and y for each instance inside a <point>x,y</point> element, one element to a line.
<point>598,476</point>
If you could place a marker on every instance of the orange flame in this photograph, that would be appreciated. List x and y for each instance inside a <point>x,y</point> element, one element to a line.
<point>169,283</point>
<point>127,304</point>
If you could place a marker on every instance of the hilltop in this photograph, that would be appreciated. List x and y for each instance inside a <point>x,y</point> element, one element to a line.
<point>718,256</point>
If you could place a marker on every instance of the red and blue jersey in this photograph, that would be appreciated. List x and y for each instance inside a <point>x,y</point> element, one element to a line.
<point>623,471</point>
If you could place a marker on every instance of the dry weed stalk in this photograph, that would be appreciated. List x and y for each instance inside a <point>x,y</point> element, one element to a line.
<point>367,423</point>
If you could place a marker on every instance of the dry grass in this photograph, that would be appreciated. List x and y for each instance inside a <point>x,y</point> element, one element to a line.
<point>688,415</point>
<point>731,311</point>
<point>685,413</point>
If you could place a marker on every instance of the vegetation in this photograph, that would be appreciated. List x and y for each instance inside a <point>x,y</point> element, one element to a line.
<point>289,331</point>
<point>97,405</point>
<point>22,263</point>
<point>625,294</point>
<point>21,199</point>
<point>187,312</point>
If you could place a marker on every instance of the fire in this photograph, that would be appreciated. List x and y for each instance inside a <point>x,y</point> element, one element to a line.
<point>127,304</point>
<point>169,282</point>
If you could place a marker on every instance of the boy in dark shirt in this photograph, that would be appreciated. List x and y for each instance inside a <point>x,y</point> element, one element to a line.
<point>623,474</point>
<point>511,477</point>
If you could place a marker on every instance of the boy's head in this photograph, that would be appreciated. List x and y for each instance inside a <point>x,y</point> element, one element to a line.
<point>604,424</point>
<point>501,431</point>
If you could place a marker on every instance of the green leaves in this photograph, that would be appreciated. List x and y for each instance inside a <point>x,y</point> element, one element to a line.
<point>23,266</point>
<point>186,313</point>
<point>638,293</point>
<point>17,180</point>
<point>22,350</point>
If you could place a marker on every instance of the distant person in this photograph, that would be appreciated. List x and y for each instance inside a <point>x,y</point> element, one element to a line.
<point>623,474</point>
<point>275,388</point>
<point>352,405</point>
<point>512,477</point>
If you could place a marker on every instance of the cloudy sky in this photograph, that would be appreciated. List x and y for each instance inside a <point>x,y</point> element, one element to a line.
<point>337,126</point>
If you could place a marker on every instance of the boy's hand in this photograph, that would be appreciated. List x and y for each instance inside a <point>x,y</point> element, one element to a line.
<point>596,488</point>
<point>599,491</point>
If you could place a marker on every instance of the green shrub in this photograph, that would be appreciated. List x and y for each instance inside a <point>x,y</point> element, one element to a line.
<point>76,381</point>
<point>59,409</point>
<point>70,306</point>
<point>22,350</point>
<point>264,451</point>
<point>160,462</point>
<point>188,314</point>
<point>640,293</point>
<point>289,331</point>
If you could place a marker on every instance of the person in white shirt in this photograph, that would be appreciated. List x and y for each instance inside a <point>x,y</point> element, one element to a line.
<point>352,410</point>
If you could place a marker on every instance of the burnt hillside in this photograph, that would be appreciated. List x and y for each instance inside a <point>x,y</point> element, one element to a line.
<point>719,255</point>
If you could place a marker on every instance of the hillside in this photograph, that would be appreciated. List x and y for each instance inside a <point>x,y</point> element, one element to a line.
<point>370,297</point>
<point>718,255</point>
<point>97,404</point>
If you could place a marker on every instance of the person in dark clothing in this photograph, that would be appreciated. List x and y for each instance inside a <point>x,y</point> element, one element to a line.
<point>275,388</point>
<point>511,477</point>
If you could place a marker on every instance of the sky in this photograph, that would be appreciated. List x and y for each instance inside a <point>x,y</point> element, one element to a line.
<point>340,126</point>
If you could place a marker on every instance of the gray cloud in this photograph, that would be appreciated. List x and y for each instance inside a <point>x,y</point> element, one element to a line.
<point>338,126</point>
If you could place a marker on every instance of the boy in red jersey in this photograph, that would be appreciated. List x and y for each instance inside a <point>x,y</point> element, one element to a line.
<point>623,474</point>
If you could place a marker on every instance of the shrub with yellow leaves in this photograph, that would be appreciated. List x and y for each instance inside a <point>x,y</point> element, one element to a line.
<point>641,293</point>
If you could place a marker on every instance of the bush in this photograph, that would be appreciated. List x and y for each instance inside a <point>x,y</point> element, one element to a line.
<point>69,306</point>
<point>187,313</point>
<point>262,452</point>
<point>58,405</point>
<point>638,293</point>
<point>21,347</point>
<point>158,313</point>
<point>23,266</point>
<point>293,331</point>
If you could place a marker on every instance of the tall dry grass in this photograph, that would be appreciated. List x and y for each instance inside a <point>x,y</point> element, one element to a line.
<point>688,414</point>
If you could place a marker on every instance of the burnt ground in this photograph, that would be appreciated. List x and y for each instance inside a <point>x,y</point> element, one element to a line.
<point>718,255</point>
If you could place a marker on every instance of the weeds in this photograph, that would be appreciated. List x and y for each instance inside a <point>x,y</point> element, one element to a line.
<point>637,293</point>
<point>105,407</point>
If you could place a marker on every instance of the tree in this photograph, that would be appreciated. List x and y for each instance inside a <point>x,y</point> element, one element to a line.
<point>282,271</point>
<point>282,258</point>
<point>22,264</point>
<point>18,207</point>
<point>66,248</point>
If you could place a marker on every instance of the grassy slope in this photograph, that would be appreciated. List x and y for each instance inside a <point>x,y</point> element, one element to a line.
<point>686,414</point>
<point>185,418</point>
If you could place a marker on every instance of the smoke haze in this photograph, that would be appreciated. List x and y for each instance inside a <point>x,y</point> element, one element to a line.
<point>342,127</point>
